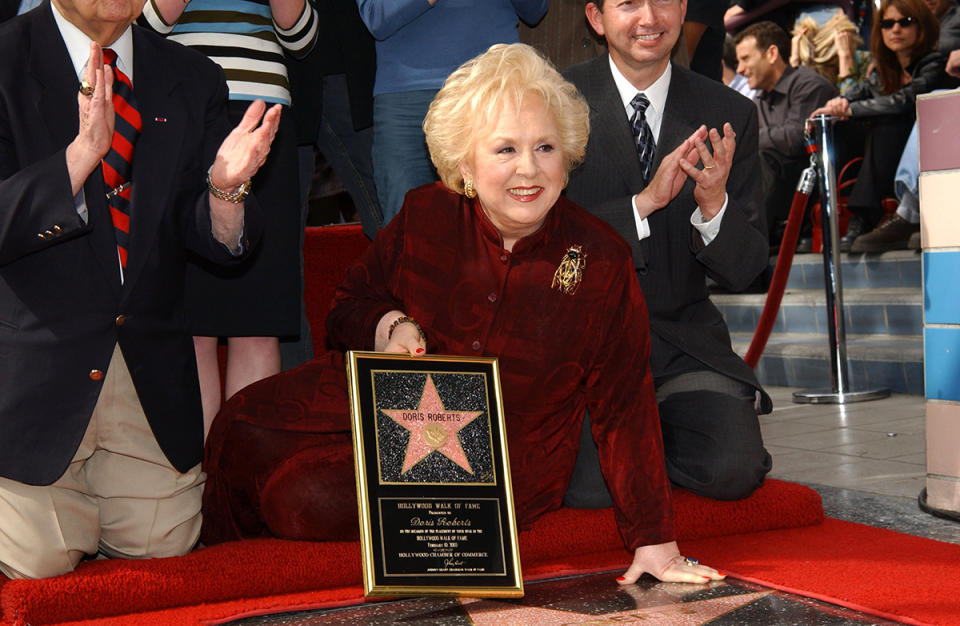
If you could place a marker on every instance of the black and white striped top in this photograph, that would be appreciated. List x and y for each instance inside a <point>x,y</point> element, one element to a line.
<point>242,38</point>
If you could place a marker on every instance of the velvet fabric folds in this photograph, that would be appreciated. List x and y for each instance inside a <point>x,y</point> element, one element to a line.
<point>279,457</point>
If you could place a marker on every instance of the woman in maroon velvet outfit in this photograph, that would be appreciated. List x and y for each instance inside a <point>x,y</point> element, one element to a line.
<point>473,260</point>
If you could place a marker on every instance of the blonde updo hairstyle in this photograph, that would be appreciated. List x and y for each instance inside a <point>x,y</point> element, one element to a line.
<point>474,95</point>
<point>817,49</point>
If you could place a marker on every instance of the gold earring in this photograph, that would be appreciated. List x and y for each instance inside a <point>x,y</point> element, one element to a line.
<point>468,189</point>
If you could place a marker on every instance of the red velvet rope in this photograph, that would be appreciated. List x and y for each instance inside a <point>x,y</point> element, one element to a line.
<point>781,272</point>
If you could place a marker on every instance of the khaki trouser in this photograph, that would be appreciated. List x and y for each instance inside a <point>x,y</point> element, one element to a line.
<point>119,497</point>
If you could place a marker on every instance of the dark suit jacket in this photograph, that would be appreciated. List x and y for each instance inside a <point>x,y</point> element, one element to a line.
<point>563,34</point>
<point>61,299</point>
<point>8,9</point>
<point>672,263</point>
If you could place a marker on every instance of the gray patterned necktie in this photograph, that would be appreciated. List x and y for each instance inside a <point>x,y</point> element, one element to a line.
<point>642,135</point>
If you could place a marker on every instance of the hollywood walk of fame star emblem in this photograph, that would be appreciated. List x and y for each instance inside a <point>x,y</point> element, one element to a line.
<point>493,612</point>
<point>433,429</point>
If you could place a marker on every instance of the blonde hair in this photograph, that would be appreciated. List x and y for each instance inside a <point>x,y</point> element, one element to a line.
<point>476,92</point>
<point>817,49</point>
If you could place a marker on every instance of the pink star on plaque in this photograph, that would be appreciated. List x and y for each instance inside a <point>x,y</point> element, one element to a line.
<point>433,429</point>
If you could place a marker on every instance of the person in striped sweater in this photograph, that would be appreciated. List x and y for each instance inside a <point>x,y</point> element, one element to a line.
<point>254,305</point>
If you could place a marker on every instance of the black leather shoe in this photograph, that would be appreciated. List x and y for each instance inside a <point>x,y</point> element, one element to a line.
<point>855,228</point>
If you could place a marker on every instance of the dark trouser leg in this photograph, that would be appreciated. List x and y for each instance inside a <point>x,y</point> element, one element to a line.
<point>711,435</point>
<point>779,177</point>
<point>587,488</point>
<point>885,138</point>
<point>349,152</point>
<point>297,350</point>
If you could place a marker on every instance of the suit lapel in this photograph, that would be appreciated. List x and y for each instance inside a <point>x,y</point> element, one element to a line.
<point>679,117</point>
<point>155,158</point>
<point>56,83</point>
<point>56,87</point>
<point>610,127</point>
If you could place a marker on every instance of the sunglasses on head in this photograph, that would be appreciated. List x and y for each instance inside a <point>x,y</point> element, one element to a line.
<point>903,22</point>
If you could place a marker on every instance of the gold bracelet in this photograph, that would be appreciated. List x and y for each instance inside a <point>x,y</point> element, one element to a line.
<point>405,319</point>
<point>236,196</point>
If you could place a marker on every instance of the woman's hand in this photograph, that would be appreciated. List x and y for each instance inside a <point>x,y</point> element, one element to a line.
<point>664,562</point>
<point>835,107</point>
<point>953,64</point>
<point>844,45</point>
<point>406,337</point>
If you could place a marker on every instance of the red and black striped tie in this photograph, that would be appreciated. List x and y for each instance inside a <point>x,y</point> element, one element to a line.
<point>118,164</point>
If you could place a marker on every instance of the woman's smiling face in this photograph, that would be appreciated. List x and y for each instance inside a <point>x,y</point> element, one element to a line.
<point>517,168</point>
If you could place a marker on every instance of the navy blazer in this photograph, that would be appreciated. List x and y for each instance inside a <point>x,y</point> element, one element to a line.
<point>62,305</point>
<point>672,263</point>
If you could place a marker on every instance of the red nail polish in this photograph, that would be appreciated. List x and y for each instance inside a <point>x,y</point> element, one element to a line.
<point>620,579</point>
<point>721,573</point>
<point>419,350</point>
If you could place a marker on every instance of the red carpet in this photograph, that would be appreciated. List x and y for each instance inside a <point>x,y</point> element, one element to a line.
<point>258,576</point>
<point>878,571</point>
<point>855,565</point>
<point>781,541</point>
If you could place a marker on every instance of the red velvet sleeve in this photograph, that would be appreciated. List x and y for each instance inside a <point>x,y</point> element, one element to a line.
<point>623,415</point>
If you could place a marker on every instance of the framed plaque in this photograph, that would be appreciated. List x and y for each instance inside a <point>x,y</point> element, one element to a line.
<point>433,476</point>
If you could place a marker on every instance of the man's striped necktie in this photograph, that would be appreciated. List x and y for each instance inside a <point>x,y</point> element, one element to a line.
<point>118,164</point>
<point>642,135</point>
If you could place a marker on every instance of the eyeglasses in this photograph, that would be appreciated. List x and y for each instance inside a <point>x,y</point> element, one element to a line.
<point>903,22</point>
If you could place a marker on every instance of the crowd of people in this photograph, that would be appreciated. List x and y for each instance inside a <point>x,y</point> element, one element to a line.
<point>870,87</point>
<point>139,233</point>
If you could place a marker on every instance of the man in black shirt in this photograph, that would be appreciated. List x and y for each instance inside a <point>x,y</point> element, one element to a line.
<point>787,97</point>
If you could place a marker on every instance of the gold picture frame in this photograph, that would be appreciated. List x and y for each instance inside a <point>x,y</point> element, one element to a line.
<point>433,476</point>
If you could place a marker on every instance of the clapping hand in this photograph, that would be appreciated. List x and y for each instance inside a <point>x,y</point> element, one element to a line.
<point>711,181</point>
<point>95,107</point>
<point>670,176</point>
<point>245,149</point>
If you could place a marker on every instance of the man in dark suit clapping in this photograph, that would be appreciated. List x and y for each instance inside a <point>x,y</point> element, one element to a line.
<point>674,170</point>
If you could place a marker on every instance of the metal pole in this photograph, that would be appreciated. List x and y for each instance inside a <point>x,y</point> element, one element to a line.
<point>820,128</point>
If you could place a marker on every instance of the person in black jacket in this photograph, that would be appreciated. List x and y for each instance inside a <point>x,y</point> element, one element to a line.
<point>902,229</point>
<point>903,44</point>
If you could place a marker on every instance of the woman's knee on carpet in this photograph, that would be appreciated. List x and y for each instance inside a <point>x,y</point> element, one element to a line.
<point>713,445</point>
<point>312,496</point>
<point>587,488</point>
<point>265,478</point>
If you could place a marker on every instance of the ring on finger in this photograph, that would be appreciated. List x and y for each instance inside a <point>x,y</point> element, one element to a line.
<point>690,562</point>
<point>86,88</point>
<point>709,167</point>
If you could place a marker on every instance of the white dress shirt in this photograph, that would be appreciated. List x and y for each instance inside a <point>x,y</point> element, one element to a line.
<point>656,93</point>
